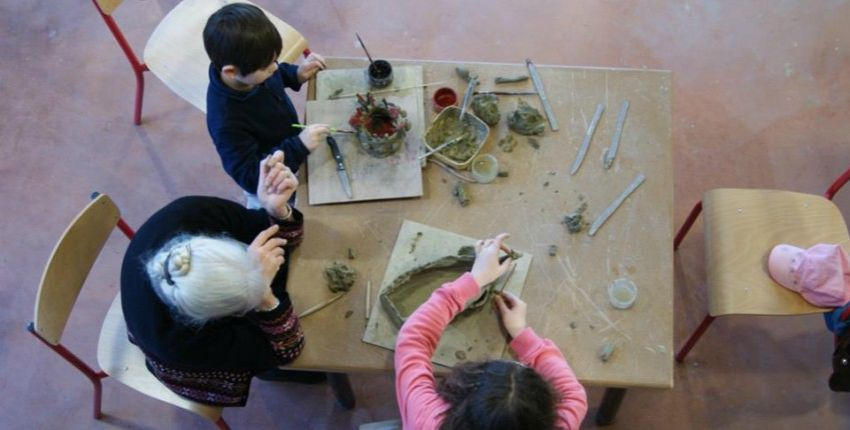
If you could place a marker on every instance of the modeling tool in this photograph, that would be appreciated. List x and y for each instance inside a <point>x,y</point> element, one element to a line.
<point>582,150</point>
<point>538,85</point>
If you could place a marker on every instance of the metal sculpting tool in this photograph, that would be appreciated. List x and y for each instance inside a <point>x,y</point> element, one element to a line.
<point>582,150</point>
<point>615,204</point>
<point>333,130</point>
<point>538,85</point>
<point>611,152</point>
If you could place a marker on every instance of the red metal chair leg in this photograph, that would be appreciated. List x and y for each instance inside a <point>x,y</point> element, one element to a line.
<point>680,356</point>
<point>222,424</point>
<point>140,94</point>
<point>687,225</point>
<point>830,193</point>
<point>84,368</point>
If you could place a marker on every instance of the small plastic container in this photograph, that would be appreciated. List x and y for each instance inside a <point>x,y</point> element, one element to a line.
<point>443,98</point>
<point>622,293</point>
<point>485,168</point>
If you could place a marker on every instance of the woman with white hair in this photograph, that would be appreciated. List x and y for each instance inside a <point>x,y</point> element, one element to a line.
<point>203,289</point>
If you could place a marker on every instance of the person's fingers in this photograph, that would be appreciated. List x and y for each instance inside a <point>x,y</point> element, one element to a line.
<point>264,235</point>
<point>319,59</point>
<point>278,156</point>
<point>290,183</point>
<point>499,301</point>
<point>479,245</point>
<point>276,180</point>
<point>273,243</point>
<point>509,298</point>
<point>500,239</point>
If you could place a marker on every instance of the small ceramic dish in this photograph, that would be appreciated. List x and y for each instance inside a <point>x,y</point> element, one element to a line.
<point>443,98</point>
<point>434,139</point>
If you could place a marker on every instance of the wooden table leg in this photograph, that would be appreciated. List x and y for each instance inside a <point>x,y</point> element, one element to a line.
<point>607,413</point>
<point>341,387</point>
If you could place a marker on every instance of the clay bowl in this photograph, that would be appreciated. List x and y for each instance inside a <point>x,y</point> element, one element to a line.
<point>432,138</point>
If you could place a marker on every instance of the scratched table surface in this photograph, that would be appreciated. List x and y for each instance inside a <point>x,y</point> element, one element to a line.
<point>566,293</point>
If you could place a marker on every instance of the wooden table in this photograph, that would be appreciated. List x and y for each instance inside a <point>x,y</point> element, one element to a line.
<point>566,293</point>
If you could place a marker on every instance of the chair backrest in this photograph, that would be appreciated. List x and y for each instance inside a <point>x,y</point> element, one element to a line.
<point>175,51</point>
<point>108,6</point>
<point>69,266</point>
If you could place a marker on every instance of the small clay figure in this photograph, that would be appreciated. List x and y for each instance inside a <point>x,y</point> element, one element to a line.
<point>459,191</point>
<point>507,143</point>
<point>575,221</point>
<point>486,107</point>
<point>511,79</point>
<point>339,277</point>
<point>526,120</point>
<point>553,250</point>
<point>605,352</point>
<point>534,143</point>
<point>352,253</point>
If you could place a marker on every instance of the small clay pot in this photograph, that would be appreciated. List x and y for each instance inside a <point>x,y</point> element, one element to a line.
<point>381,147</point>
<point>380,73</point>
<point>443,98</point>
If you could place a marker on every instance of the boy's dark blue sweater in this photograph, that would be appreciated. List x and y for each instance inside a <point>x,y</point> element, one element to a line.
<point>246,126</point>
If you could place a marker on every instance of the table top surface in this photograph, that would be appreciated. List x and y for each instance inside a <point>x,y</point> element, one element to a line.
<point>566,293</point>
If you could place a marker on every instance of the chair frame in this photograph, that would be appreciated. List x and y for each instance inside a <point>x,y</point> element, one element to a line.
<point>683,231</point>
<point>95,376</point>
<point>139,67</point>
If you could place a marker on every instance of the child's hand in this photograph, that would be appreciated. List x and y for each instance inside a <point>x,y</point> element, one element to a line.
<point>311,65</point>
<point>267,251</point>
<point>276,185</point>
<point>313,135</point>
<point>512,312</point>
<point>486,267</point>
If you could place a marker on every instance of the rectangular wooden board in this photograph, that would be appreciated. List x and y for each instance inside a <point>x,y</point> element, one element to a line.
<point>396,176</point>
<point>477,337</point>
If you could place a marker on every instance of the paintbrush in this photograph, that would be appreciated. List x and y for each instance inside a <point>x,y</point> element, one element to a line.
<point>364,48</point>
<point>333,130</point>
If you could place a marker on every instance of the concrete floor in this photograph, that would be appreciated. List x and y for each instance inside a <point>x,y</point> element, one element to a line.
<point>761,99</point>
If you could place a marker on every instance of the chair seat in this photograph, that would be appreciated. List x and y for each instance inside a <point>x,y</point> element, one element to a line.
<point>175,51</point>
<point>126,363</point>
<point>742,226</point>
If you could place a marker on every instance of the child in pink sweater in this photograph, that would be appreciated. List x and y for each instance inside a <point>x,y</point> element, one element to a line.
<point>539,392</point>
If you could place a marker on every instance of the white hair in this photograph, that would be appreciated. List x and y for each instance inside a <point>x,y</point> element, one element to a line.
<point>206,277</point>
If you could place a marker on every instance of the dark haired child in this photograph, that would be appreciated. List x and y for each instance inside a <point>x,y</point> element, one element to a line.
<point>539,392</point>
<point>249,115</point>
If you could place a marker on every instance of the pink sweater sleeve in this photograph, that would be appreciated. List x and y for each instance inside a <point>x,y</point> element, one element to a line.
<point>416,391</point>
<point>542,355</point>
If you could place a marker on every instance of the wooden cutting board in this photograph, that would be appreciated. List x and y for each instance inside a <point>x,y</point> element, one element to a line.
<point>476,337</point>
<point>396,176</point>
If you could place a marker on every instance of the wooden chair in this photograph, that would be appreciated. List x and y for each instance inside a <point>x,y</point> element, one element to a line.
<point>175,51</point>
<point>61,282</point>
<point>741,227</point>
